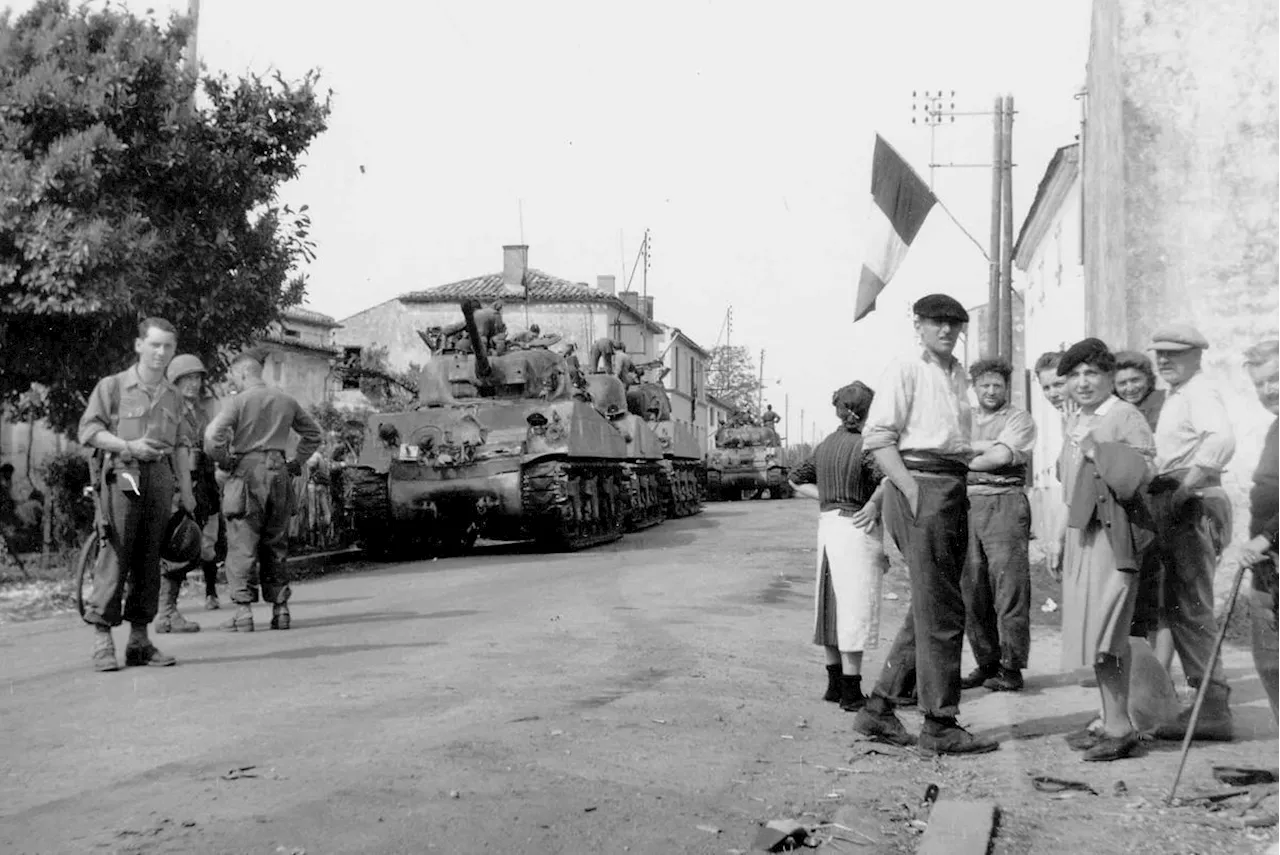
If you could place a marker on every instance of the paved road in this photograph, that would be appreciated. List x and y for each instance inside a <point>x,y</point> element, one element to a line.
<point>527,684</point>
<point>606,701</point>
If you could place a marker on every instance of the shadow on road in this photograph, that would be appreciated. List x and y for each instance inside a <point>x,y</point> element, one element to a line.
<point>379,617</point>
<point>308,652</point>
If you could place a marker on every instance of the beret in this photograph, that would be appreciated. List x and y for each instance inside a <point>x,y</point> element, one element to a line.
<point>940,307</point>
<point>856,396</point>
<point>1178,337</point>
<point>1093,351</point>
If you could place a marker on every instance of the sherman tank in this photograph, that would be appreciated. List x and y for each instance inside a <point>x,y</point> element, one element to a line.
<point>747,460</point>
<point>681,453</point>
<point>644,470</point>
<point>502,444</point>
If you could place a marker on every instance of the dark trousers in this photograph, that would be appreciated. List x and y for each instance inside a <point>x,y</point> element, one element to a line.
<point>1189,540</point>
<point>596,355</point>
<point>933,543</point>
<point>259,532</point>
<point>996,583</point>
<point>128,573</point>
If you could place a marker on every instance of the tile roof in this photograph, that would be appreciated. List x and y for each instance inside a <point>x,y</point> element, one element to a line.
<point>542,288</point>
<point>309,316</point>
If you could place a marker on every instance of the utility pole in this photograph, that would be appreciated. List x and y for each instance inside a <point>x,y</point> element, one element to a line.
<point>644,275</point>
<point>933,112</point>
<point>786,421</point>
<point>997,188</point>
<point>191,54</point>
<point>802,425</point>
<point>1006,257</point>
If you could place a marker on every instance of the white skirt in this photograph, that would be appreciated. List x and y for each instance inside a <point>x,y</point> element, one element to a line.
<point>850,572</point>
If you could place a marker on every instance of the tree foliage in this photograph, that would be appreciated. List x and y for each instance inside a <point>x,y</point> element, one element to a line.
<point>119,201</point>
<point>732,377</point>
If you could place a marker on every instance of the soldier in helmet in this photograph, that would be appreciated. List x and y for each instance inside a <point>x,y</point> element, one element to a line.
<point>247,439</point>
<point>134,419</point>
<point>187,373</point>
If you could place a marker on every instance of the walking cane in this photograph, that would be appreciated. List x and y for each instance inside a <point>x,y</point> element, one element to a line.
<point>1204,680</point>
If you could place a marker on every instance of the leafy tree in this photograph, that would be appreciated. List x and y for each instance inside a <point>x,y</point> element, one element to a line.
<point>119,200</point>
<point>732,377</point>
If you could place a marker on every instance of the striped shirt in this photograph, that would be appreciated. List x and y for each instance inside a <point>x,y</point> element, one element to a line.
<point>845,475</point>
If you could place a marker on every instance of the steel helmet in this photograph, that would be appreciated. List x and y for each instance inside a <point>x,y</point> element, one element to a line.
<point>181,544</point>
<point>184,364</point>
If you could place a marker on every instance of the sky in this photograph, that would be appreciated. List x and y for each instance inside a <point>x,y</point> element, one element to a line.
<point>739,133</point>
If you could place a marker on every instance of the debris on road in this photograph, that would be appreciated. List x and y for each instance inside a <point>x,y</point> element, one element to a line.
<point>801,723</point>
<point>1050,606</point>
<point>1120,789</point>
<point>588,809</point>
<point>1048,784</point>
<point>959,828</point>
<point>1243,776</point>
<point>239,772</point>
<point>709,829</point>
<point>454,794</point>
<point>658,720</point>
<point>780,835</point>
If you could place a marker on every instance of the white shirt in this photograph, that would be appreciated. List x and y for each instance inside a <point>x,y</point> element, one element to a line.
<point>920,405</point>
<point>1194,429</point>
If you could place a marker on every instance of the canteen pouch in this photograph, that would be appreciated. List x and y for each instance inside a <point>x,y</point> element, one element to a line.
<point>235,500</point>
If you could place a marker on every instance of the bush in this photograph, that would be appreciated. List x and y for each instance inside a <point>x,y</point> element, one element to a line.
<point>67,474</point>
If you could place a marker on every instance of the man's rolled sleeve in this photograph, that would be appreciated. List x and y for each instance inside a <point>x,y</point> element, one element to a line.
<point>97,413</point>
<point>217,436</point>
<point>889,410</point>
<point>309,433</point>
<point>1218,440</point>
<point>1019,436</point>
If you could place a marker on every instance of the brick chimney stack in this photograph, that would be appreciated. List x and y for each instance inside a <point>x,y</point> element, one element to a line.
<point>607,284</point>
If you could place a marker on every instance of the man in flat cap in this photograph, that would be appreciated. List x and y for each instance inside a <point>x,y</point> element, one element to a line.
<point>919,431</point>
<point>247,440</point>
<point>1194,443</point>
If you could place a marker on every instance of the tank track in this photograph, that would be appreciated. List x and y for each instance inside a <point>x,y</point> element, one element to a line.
<point>683,491</point>
<point>573,504</point>
<point>712,489</point>
<point>368,501</point>
<point>646,493</point>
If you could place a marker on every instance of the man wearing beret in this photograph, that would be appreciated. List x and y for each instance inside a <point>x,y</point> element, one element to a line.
<point>247,440</point>
<point>1194,443</point>
<point>919,430</point>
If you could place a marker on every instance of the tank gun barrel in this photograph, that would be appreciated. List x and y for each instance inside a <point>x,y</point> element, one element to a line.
<point>484,370</point>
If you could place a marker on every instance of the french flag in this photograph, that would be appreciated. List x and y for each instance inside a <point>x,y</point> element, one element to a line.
<point>900,202</point>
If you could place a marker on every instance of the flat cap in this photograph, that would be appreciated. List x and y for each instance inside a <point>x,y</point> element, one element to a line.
<point>1178,337</point>
<point>1093,351</point>
<point>940,307</point>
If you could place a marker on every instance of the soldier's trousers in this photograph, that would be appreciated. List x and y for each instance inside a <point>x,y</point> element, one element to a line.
<point>997,580</point>
<point>128,573</point>
<point>257,514</point>
<point>596,355</point>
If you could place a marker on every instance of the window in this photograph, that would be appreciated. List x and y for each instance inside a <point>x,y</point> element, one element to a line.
<point>350,359</point>
<point>288,333</point>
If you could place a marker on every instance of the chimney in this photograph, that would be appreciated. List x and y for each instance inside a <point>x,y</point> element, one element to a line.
<point>515,262</point>
<point>632,299</point>
<point>607,284</point>
<point>648,313</point>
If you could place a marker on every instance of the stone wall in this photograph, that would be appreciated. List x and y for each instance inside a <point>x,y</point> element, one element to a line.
<point>1180,186</point>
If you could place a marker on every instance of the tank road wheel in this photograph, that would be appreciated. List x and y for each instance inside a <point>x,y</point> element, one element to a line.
<point>684,495</point>
<point>573,505</point>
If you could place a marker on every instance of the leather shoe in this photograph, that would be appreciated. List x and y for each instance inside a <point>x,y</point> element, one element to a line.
<point>280,616</point>
<point>104,657</point>
<point>241,621</point>
<point>977,677</point>
<point>1008,680</point>
<point>951,738</point>
<point>146,654</point>
<point>885,728</point>
<point>1109,748</point>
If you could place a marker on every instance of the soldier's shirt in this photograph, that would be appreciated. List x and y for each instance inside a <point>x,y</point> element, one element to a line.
<point>259,419</point>
<point>123,405</point>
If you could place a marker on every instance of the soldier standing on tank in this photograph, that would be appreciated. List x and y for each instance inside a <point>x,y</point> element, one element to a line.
<point>604,348</point>
<point>187,373</point>
<point>769,418</point>
<point>134,419</point>
<point>247,440</point>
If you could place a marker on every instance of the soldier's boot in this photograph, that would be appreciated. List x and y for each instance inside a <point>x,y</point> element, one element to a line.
<point>1214,724</point>
<point>170,619</point>
<point>104,650</point>
<point>210,569</point>
<point>280,616</point>
<point>140,650</point>
<point>241,621</point>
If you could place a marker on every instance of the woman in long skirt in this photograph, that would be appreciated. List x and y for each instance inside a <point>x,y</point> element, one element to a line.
<point>1109,440</point>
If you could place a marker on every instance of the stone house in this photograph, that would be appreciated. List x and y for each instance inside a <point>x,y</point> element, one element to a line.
<point>686,382</point>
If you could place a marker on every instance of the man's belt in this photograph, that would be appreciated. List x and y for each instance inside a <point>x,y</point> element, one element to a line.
<point>935,464</point>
